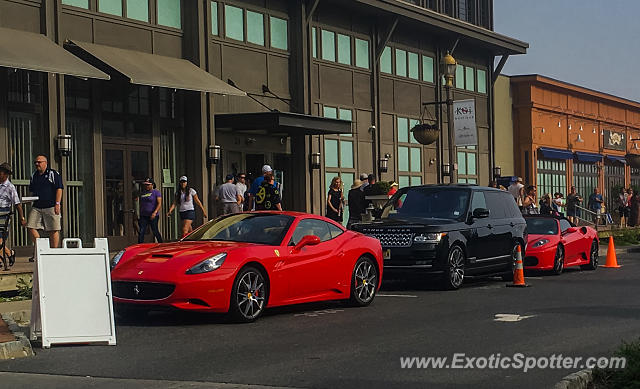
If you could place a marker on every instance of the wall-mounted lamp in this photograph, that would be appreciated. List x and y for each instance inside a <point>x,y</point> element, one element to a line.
<point>569,126</point>
<point>559,124</point>
<point>543,130</point>
<point>64,144</point>
<point>315,160</point>
<point>497,172</point>
<point>594,130</point>
<point>601,132</point>
<point>383,164</point>
<point>213,154</point>
<point>446,169</point>
<point>580,140</point>
<point>580,128</point>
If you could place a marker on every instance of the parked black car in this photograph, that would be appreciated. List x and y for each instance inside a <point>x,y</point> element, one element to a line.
<point>450,230</point>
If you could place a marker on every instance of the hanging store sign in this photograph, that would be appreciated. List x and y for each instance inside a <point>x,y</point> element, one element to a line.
<point>613,140</point>
<point>464,123</point>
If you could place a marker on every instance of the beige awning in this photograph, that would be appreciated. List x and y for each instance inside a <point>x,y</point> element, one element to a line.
<point>158,70</point>
<point>27,50</point>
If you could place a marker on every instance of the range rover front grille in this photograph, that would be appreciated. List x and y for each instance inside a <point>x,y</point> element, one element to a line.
<point>391,239</point>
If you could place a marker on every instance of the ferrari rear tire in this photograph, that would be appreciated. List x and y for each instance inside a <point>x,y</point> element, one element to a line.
<point>593,257</point>
<point>249,295</point>
<point>558,261</point>
<point>364,282</point>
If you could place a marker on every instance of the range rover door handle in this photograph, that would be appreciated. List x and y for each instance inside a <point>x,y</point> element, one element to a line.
<point>512,224</point>
<point>489,226</point>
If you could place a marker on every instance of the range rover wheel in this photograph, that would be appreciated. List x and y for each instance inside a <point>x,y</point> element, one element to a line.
<point>454,272</point>
<point>508,276</point>
<point>364,282</point>
<point>249,295</point>
<point>558,262</point>
<point>593,257</point>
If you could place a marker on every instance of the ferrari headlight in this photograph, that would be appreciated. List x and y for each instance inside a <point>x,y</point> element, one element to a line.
<point>116,258</point>
<point>540,243</point>
<point>429,238</point>
<point>209,264</point>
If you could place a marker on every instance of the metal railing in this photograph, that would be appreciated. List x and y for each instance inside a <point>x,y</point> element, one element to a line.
<point>594,216</point>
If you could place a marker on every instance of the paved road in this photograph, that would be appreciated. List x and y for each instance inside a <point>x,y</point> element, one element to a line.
<point>328,345</point>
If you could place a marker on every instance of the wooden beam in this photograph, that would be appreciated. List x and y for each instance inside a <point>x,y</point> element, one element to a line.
<point>385,39</point>
<point>312,9</point>
<point>498,69</point>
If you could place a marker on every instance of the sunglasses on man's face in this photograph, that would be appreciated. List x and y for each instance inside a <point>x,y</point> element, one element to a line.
<point>38,162</point>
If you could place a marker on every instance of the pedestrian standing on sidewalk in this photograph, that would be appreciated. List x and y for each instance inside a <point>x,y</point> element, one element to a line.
<point>517,191</point>
<point>268,194</point>
<point>595,204</point>
<point>229,196</point>
<point>634,209</point>
<point>355,200</point>
<point>9,198</point>
<point>529,202</point>
<point>573,200</point>
<point>150,200</point>
<point>184,199</point>
<point>242,189</point>
<point>255,186</point>
<point>364,177</point>
<point>623,210</point>
<point>335,200</point>
<point>45,214</point>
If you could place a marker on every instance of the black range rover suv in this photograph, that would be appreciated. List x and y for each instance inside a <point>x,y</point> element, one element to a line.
<point>449,230</point>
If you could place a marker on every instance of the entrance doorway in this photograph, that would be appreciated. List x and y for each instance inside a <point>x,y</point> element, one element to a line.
<point>125,168</point>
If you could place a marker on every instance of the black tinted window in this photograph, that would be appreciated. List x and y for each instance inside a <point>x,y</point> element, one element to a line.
<point>478,201</point>
<point>429,202</point>
<point>313,227</point>
<point>498,205</point>
<point>564,225</point>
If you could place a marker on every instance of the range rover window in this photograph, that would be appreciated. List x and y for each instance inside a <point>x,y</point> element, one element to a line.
<point>478,201</point>
<point>541,226</point>
<point>313,227</point>
<point>427,202</point>
<point>498,206</point>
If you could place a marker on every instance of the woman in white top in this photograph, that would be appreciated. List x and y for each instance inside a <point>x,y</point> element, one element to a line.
<point>184,199</point>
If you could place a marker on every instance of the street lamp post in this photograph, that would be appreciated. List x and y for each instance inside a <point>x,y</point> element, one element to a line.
<point>449,70</point>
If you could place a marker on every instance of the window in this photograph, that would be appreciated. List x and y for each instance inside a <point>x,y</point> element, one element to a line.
<point>169,13</point>
<point>401,63</point>
<point>467,165</point>
<point>138,10</point>
<point>214,18</point>
<point>470,78</point>
<point>460,76</point>
<point>585,178</point>
<point>484,18</point>
<point>346,154</point>
<point>413,66</point>
<point>552,176</point>
<point>330,112</point>
<point>77,3</point>
<point>385,61</point>
<point>255,28</point>
<point>280,34</point>
<point>409,158</point>
<point>328,45</point>
<point>482,81</point>
<point>314,39</point>
<point>233,23</point>
<point>113,7</point>
<point>344,49</point>
<point>362,53</point>
<point>403,130</point>
<point>478,201</point>
<point>335,231</point>
<point>427,69</point>
<point>312,227</point>
<point>330,153</point>
<point>564,225</point>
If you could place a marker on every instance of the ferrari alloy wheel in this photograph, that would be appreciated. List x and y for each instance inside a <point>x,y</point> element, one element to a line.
<point>593,257</point>
<point>364,282</point>
<point>249,295</point>
<point>558,262</point>
<point>454,273</point>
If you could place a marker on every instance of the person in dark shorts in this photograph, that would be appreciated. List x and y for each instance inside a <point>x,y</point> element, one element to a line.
<point>573,200</point>
<point>355,199</point>
<point>185,199</point>
<point>268,196</point>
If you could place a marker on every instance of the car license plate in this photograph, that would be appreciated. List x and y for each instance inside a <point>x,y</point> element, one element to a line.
<point>386,254</point>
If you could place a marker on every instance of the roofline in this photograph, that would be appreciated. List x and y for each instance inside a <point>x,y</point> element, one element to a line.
<point>508,45</point>
<point>521,78</point>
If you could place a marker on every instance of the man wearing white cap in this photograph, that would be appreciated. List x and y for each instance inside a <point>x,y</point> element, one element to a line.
<point>255,185</point>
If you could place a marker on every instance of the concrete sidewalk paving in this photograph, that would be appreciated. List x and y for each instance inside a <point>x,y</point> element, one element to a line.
<point>30,381</point>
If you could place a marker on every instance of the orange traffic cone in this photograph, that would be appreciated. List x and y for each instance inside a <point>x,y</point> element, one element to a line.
<point>612,259</point>
<point>518,274</point>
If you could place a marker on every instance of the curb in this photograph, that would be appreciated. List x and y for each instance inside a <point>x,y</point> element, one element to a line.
<point>21,347</point>
<point>578,380</point>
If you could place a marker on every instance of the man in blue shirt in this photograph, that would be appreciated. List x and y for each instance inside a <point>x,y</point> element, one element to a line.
<point>45,214</point>
<point>595,204</point>
<point>255,185</point>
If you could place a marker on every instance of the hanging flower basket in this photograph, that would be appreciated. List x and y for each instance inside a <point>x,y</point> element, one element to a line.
<point>426,133</point>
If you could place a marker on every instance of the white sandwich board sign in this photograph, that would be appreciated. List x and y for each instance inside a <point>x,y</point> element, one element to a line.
<point>71,300</point>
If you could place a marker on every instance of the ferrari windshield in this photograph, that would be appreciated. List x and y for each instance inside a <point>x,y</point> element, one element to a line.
<point>428,202</point>
<point>541,226</point>
<point>257,228</point>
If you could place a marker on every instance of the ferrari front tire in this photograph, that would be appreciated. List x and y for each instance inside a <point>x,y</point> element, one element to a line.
<point>249,295</point>
<point>364,282</point>
<point>558,261</point>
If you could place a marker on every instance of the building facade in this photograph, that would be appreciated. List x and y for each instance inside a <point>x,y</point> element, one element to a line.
<point>345,79</point>
<point>566,135</point>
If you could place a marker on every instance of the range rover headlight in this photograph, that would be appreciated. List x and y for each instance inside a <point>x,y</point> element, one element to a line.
<point>429,238</point>
<point>540,243</point>
<point>209,264</point>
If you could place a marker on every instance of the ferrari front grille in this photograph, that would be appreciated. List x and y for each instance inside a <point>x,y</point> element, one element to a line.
<point>133,290</point>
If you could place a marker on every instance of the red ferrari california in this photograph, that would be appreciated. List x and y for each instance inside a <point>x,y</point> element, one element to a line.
<point>554,243</point>
<point>243,263</point>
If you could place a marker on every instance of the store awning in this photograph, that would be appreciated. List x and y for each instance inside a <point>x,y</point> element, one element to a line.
<point>283,123</point>
<point>588,157</point>
<point>153,69</point>
<point>550,153</point>
<point>616,158</point>
<point>634,160</point>
<point>30,51</point>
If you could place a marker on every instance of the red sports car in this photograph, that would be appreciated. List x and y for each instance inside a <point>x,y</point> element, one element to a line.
<point>243,263</point>
<point>554,243</point>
